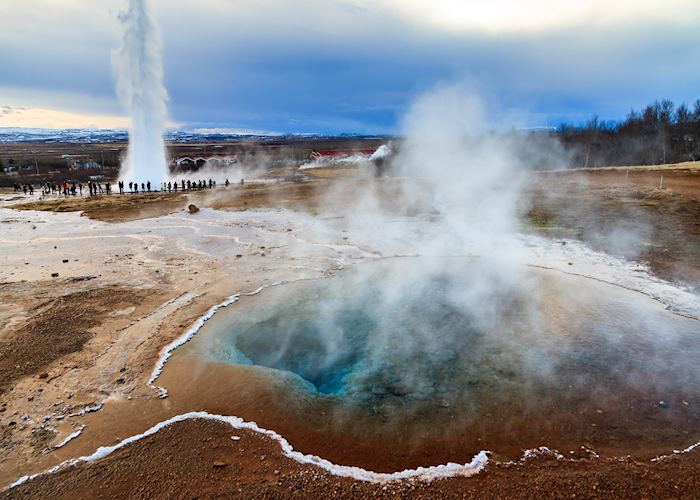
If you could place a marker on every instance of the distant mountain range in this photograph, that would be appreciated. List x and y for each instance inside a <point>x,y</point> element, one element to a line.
<point>8,134</point>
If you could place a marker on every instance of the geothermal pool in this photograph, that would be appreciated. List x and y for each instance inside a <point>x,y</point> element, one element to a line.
<point>409,362</point>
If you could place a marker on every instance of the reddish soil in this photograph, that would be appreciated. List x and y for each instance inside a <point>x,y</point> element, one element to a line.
<point>112,208</point>
<point>199,459</point>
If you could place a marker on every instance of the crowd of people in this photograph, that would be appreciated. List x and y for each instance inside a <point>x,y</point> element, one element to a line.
<point>97,188</point>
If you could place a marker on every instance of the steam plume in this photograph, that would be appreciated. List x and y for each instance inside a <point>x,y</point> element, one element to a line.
<point>139,73</point>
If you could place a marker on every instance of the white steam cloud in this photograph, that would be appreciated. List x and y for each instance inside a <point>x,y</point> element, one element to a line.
<point>139,73</point>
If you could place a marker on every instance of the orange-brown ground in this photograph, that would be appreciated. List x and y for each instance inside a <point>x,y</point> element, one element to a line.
<point>185,460</point>
<point>199,459</point>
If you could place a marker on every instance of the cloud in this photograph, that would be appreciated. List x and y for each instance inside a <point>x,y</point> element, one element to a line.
<point>499,16</point>
<point>355,65</point>
<point>15,116</point>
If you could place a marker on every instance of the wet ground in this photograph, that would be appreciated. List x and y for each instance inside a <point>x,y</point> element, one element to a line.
<point>185,264</point>
<point>428,372</point>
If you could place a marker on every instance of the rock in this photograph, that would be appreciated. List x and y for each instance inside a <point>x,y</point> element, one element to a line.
<point>236,438</point>
<point>65,261</point>
<point>238,256</point>
<point>662,404</point>
<point>119,381</point>
<point>54,275</point>
<point>193,209</point>
<point>43,375</point>
<point>219,463</point>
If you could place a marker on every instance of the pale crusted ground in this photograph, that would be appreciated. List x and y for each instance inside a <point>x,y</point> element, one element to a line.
<point>139,283</point>
<point>136,286</point>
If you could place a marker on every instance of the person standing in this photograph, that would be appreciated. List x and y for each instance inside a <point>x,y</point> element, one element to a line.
<point>148,186</point>
<point>80,188</point>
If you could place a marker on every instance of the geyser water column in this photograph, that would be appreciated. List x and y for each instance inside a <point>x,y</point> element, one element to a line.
<point>139,76</point>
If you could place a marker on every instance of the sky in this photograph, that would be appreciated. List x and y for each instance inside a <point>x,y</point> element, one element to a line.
<point>351,66</point>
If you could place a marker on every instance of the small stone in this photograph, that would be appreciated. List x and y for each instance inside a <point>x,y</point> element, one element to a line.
<point>662,404</point>
<point>262,458</point>
<point>65,261</point>
<point>571,263</point>
<point>193,209</point>
<point>236,438</point>
<point>119,381</point>
<point>276,472</point>
<point>238,256</point>
<point>219,463</point>
<point>30,398</point>
<point>54,275</point>
<point>43,375</point>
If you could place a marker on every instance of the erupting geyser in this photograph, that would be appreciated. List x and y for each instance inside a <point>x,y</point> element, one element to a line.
<point>139,73</point>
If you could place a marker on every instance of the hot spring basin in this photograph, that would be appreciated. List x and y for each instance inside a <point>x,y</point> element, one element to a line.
<point>414,362</point>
